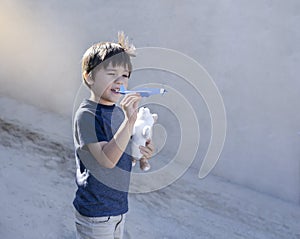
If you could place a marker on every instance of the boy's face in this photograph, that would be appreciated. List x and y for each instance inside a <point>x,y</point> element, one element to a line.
<point>106,83</point>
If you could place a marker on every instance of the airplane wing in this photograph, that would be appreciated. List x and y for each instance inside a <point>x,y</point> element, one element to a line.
<point>144,92</point>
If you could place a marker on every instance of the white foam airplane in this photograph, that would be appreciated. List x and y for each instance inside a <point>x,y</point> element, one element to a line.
<point>144,92</point>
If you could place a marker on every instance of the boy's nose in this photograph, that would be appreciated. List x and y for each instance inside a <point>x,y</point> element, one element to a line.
<point>119,80</point>
<point>119,83</point>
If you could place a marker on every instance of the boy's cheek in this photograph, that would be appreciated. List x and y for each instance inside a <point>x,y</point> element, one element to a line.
<point>104,86</point>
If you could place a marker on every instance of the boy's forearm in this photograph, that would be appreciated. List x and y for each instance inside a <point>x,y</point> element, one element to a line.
<point>109,153</point>
<point>114,149</point>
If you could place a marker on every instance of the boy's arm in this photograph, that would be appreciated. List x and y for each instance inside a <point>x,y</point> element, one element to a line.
<point>108,153</point>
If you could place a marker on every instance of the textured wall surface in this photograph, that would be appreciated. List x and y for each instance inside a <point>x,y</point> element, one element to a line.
<point>250,48</point>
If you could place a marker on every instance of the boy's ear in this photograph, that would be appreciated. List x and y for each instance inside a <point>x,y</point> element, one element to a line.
<point>88,78</point>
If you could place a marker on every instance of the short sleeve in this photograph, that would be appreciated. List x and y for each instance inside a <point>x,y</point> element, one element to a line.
<point>88,129</point>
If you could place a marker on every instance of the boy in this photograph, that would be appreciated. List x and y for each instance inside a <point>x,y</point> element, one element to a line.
<point>102,132</point>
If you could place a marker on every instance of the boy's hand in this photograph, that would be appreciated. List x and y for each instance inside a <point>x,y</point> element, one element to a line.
<point>130,105</point>
<point>147,150</point>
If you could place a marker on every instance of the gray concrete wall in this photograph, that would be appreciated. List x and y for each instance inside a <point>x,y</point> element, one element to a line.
<point>250,48</point>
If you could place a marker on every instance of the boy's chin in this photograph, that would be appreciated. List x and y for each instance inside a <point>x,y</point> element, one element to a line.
<point>111,100</point>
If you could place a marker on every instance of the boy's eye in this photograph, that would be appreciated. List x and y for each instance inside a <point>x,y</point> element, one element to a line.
<point>111,74</point>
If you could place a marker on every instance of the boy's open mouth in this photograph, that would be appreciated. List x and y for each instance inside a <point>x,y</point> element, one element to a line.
<point>116,90</point>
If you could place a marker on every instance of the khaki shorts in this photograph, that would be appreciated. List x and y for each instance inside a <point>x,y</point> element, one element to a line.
<point>99,227</point>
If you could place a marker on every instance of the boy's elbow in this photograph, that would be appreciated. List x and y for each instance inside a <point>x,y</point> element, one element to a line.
<point>102,158</point>
<point>109,165</point>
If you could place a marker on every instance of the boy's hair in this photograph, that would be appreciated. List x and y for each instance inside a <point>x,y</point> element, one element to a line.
<point>103,53</point>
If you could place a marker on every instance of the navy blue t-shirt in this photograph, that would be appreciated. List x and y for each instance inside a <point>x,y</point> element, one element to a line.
<point>106,190</point>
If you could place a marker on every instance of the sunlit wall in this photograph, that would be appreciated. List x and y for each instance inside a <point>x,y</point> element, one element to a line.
<point>250,48</point>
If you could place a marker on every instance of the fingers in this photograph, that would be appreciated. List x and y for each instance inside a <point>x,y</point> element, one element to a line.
<point>130,105</point>
<point>150,145</point>
<point>131,100</point>
<point>148,150</point>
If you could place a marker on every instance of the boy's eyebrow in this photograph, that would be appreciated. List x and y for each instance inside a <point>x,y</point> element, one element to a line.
<point>112,69</point>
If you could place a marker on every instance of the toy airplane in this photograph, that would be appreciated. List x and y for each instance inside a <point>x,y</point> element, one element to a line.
<point>144,92</point>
